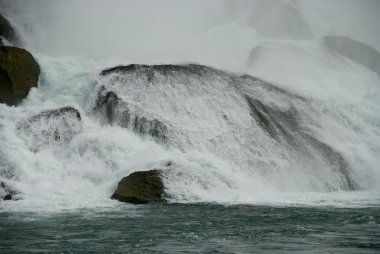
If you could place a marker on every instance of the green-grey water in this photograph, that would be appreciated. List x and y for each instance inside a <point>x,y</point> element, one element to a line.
<point>194,228</point>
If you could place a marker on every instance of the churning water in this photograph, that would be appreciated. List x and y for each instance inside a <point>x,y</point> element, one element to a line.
<point>305,136</point>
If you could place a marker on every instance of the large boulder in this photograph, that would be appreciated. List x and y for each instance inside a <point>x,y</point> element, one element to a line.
<point>51,127</point>
<point>141,187</point>
<point>7,31</point>
<point>236,117</point>
<point>19,72</point>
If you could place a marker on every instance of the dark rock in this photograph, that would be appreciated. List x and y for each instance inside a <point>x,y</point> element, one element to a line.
<point>141,187</point>
<point>6,192</point>
<point>117,111</point>
<point>7,31</point>
<point>8,197</point>
<point>1,42</point>
<point>19,72</point>
<point>168,163</point>
<point>51,127</point>
<point>273,121</point>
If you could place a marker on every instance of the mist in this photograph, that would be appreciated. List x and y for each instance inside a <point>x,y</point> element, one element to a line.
<point>212,32</point>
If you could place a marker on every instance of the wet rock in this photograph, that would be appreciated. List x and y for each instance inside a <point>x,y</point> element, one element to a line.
<point>141,187</point>
<point>117,111</point>
<point>6,192</point>
<point>51,127</point>
<point>164,69</point>
<point>7,31</point>
<point>8,197</point>
<point>19,72</point>
<point>234,116</point>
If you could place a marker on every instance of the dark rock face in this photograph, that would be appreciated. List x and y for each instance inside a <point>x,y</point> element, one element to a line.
<point>117,111</point>
<point>51,127</point>
<point>7,31</point>
<point>8,197</point>
<point>19,72</point>
<point>141,187</point>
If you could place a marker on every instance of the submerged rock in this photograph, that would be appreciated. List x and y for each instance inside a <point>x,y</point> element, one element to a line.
<point>19,72</point>
<point>141,187</point>
<point>51,127</point>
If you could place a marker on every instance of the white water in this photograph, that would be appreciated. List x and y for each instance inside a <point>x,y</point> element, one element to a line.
<point>280,42</point>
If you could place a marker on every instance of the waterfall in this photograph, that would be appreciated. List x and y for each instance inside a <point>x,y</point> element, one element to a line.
<point>236,101</point>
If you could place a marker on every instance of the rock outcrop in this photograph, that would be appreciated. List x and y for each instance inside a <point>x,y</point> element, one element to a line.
<point>19,72</point>
<point>51,127</point>
<point>141,187</point>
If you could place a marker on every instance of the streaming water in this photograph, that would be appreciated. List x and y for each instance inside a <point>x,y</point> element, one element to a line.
<point>265,195</point>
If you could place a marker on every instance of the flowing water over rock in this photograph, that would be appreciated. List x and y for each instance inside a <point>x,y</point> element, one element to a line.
<point>238,118</point>
<point>266,137</point>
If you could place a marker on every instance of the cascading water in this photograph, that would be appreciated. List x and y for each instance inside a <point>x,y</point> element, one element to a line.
<point>307,130</point>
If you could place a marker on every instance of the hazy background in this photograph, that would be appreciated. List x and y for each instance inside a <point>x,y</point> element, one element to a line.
<point>181,29</point>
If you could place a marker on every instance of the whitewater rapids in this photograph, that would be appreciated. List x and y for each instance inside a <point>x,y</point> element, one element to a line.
<point>336,101</point>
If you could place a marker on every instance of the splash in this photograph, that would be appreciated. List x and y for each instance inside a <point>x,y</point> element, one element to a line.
<point>279,42</point>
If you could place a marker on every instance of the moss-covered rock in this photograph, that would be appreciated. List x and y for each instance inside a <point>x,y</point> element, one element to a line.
<point>19,72</point>
<point>141,187</point>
